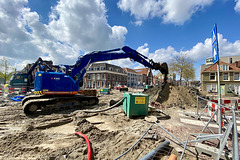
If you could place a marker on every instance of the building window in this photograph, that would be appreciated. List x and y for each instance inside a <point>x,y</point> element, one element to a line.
<point>102,76</point>
<point>225,76</point>
<point>102,83</point>
<point>212,87</point>
<point>209,60</point>
<point>98,76</point>
<point>230,60</point>
<point>212,77</point>
<point>89,76</point>
<point>224,67</point>
<point>98,83</point>
<point>88,84</point>
<point>109,77</point>
<point>236,76</point>
<point>110,68</point>
<point>93,76</point>
<point>102,68</point>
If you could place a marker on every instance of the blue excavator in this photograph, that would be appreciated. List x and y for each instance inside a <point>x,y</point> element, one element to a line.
<point>58,90</point>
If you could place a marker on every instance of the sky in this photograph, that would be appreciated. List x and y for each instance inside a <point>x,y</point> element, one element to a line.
<point>63,30</point>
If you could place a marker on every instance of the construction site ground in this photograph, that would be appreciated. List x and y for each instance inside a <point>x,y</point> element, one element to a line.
<point>111,133</point>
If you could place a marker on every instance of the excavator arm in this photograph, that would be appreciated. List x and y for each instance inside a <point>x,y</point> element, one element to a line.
<point>79,69</point>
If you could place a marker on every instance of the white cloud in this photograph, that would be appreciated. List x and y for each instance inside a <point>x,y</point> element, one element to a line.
<point>75,26</point>
<point>237,7</point>
<point>84,24</point>
<point>138,23</point>
<point>204,50</point>
<point>171,11</point>
<point>198,53</point>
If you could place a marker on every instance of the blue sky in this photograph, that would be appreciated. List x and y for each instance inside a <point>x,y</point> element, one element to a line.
<point>65,29</point>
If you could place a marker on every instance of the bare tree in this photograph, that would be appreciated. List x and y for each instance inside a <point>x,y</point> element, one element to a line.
<point>5,66</point>
<point>189,73</point>
<point>183,66</point>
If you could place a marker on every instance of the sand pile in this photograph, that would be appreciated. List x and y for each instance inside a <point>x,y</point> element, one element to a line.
<point>171,96</point>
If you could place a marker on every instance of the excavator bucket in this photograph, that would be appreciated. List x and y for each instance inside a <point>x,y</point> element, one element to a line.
<point>163,67</point>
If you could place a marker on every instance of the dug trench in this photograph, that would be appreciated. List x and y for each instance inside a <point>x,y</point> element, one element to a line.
<point>110,133</point>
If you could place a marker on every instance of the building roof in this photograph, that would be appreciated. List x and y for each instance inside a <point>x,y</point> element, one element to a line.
<point>155,77</point>
<point>129,70</point>
<point>232,67</point>
<point>143,71</point>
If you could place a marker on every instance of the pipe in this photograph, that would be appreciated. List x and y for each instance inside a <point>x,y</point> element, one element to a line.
<point>96,111</point>
<point>153,153</point>
<point>88,143</point>
<point>172,157</point>
<point>134,143</point>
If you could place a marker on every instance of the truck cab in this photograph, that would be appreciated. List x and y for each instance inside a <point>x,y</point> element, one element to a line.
<point>20,80</point>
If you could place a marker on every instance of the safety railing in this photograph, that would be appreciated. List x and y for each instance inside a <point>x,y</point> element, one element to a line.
<point>6,91</point>
<point>229,118</point>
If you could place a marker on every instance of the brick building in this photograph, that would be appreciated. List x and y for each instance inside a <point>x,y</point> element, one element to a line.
<point>101,75</point>
<point>146,75</point>
<point>36,69</point>
<point>229,78</point>
<point>133,78</point>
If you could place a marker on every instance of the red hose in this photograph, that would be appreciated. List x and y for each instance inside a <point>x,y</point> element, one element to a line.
<point>88,144</point>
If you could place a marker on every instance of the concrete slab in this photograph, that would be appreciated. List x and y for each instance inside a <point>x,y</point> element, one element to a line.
<point>211,151</point>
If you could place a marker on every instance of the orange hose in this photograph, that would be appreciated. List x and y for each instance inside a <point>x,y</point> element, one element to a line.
<point>88,144</point>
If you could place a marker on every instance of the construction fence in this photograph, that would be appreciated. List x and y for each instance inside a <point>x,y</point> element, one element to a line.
<point>208,113</point>
<point>6,90</point>
<point>206,143</point>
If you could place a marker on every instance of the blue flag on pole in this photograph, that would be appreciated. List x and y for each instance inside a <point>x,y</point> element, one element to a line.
<point>215,51</point>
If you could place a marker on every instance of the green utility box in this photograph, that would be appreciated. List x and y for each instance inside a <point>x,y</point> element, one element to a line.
<point>148,86</point>
<point>104,91</point>
<point>135,104</point>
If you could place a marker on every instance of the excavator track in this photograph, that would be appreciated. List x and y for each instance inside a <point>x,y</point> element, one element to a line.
<point>47,104</point>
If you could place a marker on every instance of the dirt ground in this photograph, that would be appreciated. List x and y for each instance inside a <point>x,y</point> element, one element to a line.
<point>110,133</point>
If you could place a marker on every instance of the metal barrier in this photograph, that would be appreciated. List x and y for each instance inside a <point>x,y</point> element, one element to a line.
<point>210,108</point>
<point>6,91</point>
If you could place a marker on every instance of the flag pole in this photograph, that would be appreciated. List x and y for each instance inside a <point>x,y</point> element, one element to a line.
<point>215,55</point>
<point>219,101</point>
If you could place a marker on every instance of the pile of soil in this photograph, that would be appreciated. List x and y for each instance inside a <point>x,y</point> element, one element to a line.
<point>173,96</point>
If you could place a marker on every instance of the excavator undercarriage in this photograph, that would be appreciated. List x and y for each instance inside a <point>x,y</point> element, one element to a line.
<point>46,104</point>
